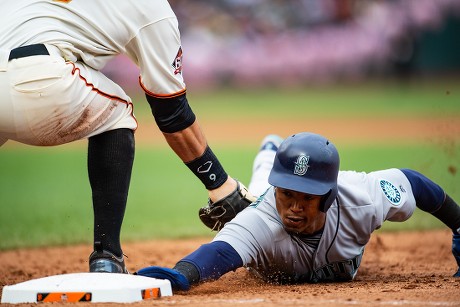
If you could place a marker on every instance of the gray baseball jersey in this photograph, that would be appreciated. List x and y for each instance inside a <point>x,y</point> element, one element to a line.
<point>364,202</point>
<point>40,93</point>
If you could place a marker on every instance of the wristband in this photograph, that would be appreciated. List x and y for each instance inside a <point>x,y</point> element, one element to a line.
<point>208,169</point>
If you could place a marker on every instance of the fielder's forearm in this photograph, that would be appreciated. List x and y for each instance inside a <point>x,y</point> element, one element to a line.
<point>191,146</point>
<point>188,144</point>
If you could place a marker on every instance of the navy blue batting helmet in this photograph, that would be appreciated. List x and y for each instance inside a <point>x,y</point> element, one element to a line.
<point>308,163</point>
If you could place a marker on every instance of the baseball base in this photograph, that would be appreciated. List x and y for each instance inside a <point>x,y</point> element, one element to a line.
<point>87,287</point>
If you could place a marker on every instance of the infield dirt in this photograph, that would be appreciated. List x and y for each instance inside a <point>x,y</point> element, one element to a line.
<point>398,269</point>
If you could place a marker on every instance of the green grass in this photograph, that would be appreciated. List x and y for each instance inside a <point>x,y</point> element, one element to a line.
<point>420,98</point>
<point>45,195</point>
<point>416,99</point>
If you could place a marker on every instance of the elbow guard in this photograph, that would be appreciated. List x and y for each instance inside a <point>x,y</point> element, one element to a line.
<point>171,114</point>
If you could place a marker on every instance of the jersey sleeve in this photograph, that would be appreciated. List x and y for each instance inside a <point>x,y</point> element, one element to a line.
<point>373,198</point>
<point>256,232</point>
<point>157,51</point>
<point>246,233</point>
<point>392,193</point>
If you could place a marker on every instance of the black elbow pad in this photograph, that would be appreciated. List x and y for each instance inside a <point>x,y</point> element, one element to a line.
<point>171,114</point>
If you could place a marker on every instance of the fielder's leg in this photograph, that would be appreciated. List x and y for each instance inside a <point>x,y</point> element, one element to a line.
<point>110,161</point>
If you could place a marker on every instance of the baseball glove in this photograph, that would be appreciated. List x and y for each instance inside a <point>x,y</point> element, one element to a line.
<point>216,214</point>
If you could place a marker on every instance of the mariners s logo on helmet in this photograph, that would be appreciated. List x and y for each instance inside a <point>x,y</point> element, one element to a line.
<point>301,165</point>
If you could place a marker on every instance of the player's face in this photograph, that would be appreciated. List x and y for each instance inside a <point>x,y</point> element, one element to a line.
<point>299,212</point>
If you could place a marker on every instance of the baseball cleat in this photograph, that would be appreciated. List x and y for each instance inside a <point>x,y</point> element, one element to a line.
<point>271,142</point>
<point>102,261</point>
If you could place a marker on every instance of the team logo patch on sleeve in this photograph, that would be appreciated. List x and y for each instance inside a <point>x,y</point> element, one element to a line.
<point>391,192</point>
<point>177,64</point>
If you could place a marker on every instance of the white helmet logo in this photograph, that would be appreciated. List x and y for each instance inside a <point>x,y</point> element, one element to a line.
<point>301,165</point>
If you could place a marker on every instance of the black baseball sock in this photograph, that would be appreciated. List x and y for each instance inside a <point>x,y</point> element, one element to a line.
<point>110,162</point>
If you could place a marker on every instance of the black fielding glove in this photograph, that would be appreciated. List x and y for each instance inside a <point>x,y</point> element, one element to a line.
<point>216,214</point>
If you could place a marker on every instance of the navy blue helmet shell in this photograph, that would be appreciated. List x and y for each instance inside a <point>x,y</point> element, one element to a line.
<point>308,163</point>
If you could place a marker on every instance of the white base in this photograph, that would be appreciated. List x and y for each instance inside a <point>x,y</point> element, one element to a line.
<point>94,287</point>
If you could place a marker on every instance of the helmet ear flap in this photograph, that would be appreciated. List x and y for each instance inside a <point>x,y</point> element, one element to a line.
<point>328,199</point>
<point>324,201</point>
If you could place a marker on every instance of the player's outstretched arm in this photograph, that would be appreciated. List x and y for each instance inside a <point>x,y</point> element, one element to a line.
<point>226,196</point>
<point>182,131</point>
<point>209,262</point>
<point>431,198</point>
<point>179,125</point>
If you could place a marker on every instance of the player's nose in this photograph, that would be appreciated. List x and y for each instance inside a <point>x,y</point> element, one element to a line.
<point>296,206</point>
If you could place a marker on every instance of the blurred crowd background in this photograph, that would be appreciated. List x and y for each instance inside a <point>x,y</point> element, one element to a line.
<point>286,42</point>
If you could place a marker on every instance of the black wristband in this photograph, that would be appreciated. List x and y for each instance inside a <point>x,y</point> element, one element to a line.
<point>208,169</point>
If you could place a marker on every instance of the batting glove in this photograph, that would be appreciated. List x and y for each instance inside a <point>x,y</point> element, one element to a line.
<point>178,280</point>
<point>456,251</point>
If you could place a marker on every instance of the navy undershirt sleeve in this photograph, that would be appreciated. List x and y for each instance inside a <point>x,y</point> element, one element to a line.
<point>428,195</point>
<point>214,259</point>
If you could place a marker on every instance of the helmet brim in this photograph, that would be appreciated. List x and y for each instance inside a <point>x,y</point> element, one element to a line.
<point>299,184</point>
